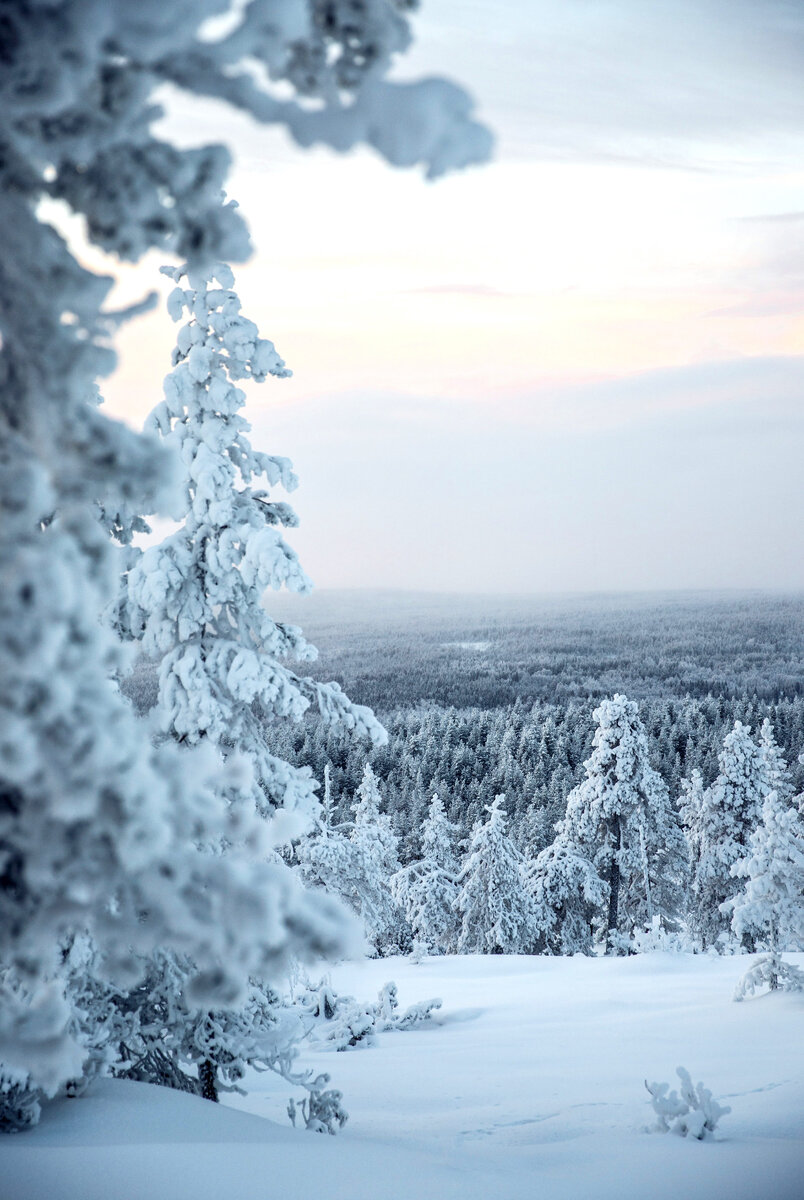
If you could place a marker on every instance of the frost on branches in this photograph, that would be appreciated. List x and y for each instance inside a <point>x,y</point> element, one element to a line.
<point>98,830</point>
<point>621,821</point>
<point>426,889</point>
<point>194,602</point>
<point>494,905</point>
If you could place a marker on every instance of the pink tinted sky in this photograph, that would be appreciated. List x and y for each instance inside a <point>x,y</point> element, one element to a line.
<point>581,367</point>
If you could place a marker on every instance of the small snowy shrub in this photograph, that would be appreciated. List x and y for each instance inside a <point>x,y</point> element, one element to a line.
<point>354,1023</point>
<point>656,938</point>
<point>321,1109</point>
<point>691,1111</point>
<point>770,969</point>
<point>350,1022</point>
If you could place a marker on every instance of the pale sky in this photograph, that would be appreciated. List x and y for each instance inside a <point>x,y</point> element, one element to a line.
<point>580,367</point>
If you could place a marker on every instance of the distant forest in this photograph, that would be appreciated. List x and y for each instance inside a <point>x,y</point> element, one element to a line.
<point>482,695</point>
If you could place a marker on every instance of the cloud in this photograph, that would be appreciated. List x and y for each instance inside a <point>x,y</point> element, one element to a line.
<point>677,478</point>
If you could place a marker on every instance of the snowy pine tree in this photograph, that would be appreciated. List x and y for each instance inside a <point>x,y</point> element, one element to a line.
<point>777,772</point>
<point>621,821</point>
<point>730,811</point>
<point>195,600</point>
<point>426,889</point>
<point>493,902</point>
<point>769,911</point>
<point>376,845</point>
<point>568,896</point>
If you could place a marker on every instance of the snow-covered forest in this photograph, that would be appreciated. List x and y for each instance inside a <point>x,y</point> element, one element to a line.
<point>227,858</point>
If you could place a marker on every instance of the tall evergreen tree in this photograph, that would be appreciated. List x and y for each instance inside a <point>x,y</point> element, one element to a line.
<point>731,809</point>
<point>777,772</point>
<point>376,845</point>
<point>427,889</point>
<point>621,820</point>
<point>195,600</point>
<point>493,902</point>
<point>568,896</point>
<point>769,910</point>
<point>88,810</point>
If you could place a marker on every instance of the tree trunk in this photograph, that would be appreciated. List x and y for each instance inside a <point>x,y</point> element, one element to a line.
<point>614,885</point>
<point>207,1076</point>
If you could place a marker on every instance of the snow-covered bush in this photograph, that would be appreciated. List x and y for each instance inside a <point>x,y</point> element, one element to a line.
<point>657,938</point>
<point>692,1111</point>
<point>346,1022</point>
<point>19,1100</point>
<point>770,970</point>
<point>321,1110</point>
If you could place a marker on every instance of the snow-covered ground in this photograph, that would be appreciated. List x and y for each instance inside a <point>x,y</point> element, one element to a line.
<point>529,1084</point>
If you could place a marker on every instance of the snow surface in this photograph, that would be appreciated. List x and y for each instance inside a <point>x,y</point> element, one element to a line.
<point>529,1083</point>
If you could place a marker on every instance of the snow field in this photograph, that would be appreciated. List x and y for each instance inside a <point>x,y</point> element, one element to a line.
<point>527,1084</point>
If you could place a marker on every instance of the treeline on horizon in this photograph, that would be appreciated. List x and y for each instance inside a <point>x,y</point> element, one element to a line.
<point>392,650</point>
<point>483,697</point>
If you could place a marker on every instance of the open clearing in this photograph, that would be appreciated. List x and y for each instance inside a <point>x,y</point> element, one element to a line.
<point>528,1084</point>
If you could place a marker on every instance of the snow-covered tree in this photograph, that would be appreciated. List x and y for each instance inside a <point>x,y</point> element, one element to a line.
<point>98,830</point>
<point>195,600</point>
<point>620,819</point>
<point>356,862</point>
<point>769,912</point>
<point>730,811</point>
<point>568,896</point>
<point>777,772</point>
<point>376,845</point>
<point>690,810</point>
<point>494,904</point>
<point>427,888</point>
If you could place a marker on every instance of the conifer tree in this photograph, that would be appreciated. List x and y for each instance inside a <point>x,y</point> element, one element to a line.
<point>777,772</point>
<point>376,846</point>
<point>568,896</point>
<point>769,911</point>
<point>195,601</point>
<point>426,889</point>
<point>620,819</point>
<point>493,902</point>
<point>731,809</point>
